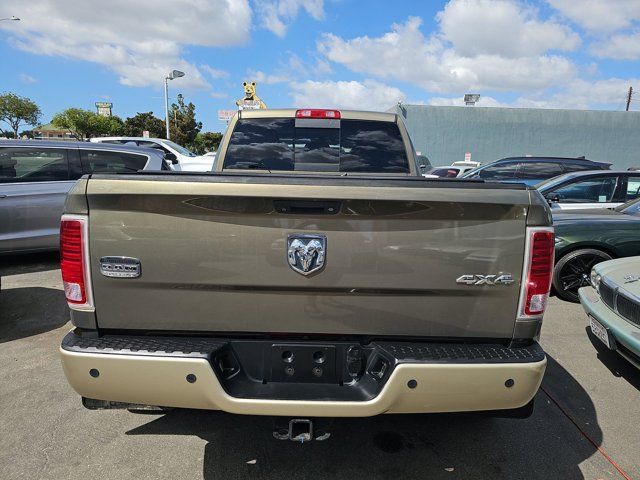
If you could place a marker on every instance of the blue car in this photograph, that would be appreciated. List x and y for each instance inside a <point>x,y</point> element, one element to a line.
<point>532,170</point>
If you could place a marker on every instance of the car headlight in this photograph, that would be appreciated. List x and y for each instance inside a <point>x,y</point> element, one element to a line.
<point>595,280</point>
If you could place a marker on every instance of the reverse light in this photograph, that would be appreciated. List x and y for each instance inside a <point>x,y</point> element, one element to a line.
<point>537,272</point>
<point>74,261</point>
<point>318,113</point>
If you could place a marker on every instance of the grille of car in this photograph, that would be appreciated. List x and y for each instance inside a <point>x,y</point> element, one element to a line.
<point>628,309</point>
<point>607,294</point>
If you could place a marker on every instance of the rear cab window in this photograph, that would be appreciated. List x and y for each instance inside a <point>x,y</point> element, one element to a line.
<point>317,145</point>
<point>27,164</point>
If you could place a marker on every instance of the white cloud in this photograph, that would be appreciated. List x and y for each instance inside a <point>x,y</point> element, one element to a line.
<point>27,79</point>
<point>406,54</point>
<point>218,95</point>
<point>366,95</point>
<point>259,76</point>
<point>501,27</point>
<point>277,14</point>
<point>619,47</point>
<point>139,41</point>
<point>214,72</point>
<point>584,94</point>
<point>599,15</point>
<point>294,67</point>
<point>578,94</point>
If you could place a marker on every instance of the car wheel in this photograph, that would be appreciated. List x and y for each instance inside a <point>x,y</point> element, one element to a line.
<point>572,271</point>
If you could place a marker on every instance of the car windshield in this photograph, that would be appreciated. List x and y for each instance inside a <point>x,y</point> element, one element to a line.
<point>472,172</point>
<point>630,208</point>
<point>551,181</point>
<point>179,149</point>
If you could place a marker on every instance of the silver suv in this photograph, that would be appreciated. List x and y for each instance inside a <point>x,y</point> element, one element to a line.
<point>35,177</point>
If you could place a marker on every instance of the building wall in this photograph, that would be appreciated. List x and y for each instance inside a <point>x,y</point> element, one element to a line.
<point>444,134</point>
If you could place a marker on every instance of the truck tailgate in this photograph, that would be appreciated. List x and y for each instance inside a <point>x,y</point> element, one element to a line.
<point>213,255</point>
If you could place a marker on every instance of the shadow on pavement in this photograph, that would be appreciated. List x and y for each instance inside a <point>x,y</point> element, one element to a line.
<point>29,263</point>
<point>30,311</point>
<point>617,365</point>
<point>546,445</point>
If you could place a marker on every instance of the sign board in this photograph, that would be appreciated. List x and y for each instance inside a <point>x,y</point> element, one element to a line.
<point>225,115</point>
<point>145,134</point>
<point>250,105</point>
<point>467,157</point>
<point>104,108</point>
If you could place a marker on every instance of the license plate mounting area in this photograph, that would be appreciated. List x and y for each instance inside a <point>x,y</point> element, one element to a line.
<point>303,363</point>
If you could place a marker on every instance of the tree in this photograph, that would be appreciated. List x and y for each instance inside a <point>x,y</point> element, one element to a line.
<point>206,142</point>
<point>182,123</point>
<point>26,134</point>
<point>85,124</point>
<point>16,110</point>
<point>134,126</point>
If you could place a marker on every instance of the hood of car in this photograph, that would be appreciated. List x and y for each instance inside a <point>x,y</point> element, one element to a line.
<point>589,215</point>
<point>623,272</point>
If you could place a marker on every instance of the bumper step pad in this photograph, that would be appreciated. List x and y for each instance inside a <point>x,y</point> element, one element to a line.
<point>190,347</point>
<point>461,353</point>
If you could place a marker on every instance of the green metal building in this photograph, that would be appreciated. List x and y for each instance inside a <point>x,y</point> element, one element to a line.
<point>445,134</point>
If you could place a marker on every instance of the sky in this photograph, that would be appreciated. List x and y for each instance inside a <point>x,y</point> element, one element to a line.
<point>352,54</point>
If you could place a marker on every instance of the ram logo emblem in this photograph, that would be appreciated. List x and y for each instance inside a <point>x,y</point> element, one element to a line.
<point>306,253</point>
<point>475,279</point>
<point>120,267</point>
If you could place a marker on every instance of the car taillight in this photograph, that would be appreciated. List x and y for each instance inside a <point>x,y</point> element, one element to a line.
<point>74,261</point>
<point>537,272</point>
<point>318,113</point>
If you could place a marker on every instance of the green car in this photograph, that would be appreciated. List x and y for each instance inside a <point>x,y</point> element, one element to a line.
<point>613,306</point>
<point>587,237</point>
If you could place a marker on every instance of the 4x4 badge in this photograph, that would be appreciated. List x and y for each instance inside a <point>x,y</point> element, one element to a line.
<point>306,252</point>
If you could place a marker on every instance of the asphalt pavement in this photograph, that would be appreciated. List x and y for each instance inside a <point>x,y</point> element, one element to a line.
<point>586,422</point>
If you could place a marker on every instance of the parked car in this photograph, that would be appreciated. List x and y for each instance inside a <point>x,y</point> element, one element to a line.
<point>612,303</point>
<point>532,170</point>
<point>591,189</point>
<point>35,177</point>
<point>587,237</point>
<point>323,278</point>
<point>188,161</point>
<point>451,171</point>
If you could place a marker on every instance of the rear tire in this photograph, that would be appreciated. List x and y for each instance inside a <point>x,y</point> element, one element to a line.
<point>572,271</point>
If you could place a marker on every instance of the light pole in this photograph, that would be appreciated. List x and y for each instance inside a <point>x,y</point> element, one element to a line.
<point>12,17</point>
<point>171,76</point>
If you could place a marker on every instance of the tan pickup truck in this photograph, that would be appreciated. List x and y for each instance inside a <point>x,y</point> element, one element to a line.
<point>314,273</point>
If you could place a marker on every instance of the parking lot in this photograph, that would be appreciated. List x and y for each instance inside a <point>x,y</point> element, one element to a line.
<point>585,423</point>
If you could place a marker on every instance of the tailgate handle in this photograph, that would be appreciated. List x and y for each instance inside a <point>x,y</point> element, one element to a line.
<point>306,207</point>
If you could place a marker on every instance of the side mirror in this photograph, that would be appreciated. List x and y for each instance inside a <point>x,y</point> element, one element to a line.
<point>552,197</point>
<point>171,157</point>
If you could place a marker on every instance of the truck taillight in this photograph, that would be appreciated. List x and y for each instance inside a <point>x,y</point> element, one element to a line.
<point>537,272</point>
<point>74,261</point>
<point>318,113</point>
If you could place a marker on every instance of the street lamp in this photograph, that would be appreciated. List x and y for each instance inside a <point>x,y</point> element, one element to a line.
<point>12,17</point>
<point>171,76</point>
